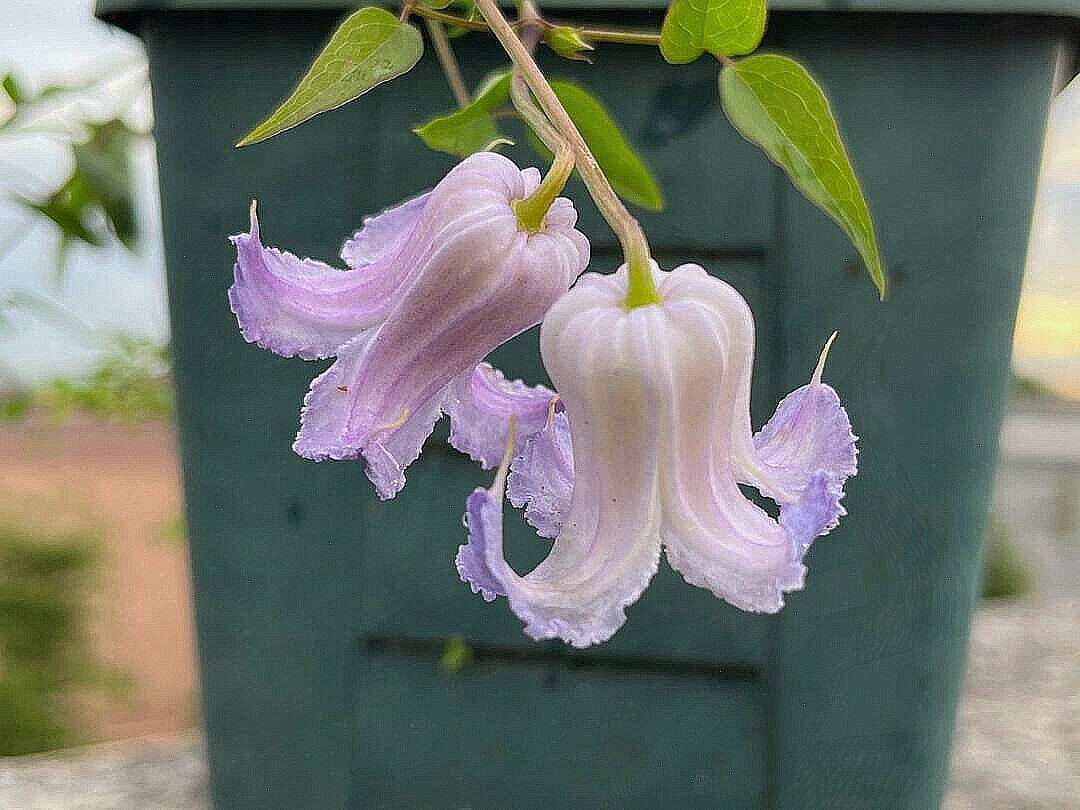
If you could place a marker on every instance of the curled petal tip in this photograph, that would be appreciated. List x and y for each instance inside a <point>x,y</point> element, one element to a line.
<point>479,561</point>
<point>816,378</point>
<point>542,477</point>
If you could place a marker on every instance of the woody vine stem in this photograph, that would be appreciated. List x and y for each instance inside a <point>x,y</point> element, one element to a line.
<point>619,35</point>
<point>642,289</point>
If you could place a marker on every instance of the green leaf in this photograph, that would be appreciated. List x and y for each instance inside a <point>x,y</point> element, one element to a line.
<point>104,164</point>
<point>473,128</point>
<point>627,172</point>
<point>67,209</point>
<point>102,179</point>
<point>372,46</point>
<point>11,87</point>
<point>777,105</point>
<point>721,27</point>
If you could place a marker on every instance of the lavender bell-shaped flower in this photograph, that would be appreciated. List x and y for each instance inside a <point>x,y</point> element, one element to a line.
<point>433,285</point>
<point>648,455</point>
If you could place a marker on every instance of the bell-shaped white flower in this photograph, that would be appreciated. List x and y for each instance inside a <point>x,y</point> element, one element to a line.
<point>649,453</point>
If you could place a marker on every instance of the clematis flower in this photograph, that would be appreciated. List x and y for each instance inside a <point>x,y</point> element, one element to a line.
<point>649,454</point>
<point>432,286</point>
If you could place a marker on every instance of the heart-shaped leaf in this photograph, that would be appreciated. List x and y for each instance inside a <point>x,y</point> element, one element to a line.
<point>372,46</point>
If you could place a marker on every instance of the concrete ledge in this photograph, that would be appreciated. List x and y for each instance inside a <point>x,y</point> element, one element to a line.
<point>1016,742</point>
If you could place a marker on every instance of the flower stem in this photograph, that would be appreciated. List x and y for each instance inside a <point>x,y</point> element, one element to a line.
<point>532,210</point>
<point>625,36</point>
<point>449,64</point>
<point>635,248</point>
<point>534,117</point>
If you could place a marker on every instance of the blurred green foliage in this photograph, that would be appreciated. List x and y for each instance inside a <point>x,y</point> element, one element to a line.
<point>1026,389</point>
<point>16,405</point>
<point>174,530</point>
<point>1005,575</point>
<point>102,182</point>
<point>45,583</point>
<point>97,199</point>
<point>457,655</point>
<point>131,383</point>
<point>11,87</point>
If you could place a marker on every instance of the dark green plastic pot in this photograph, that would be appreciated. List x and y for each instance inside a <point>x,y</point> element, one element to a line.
<point>323,615</point>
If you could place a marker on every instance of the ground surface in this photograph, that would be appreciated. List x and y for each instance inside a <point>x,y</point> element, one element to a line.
<point>1018,744</point>
<point>1018,741</point>
<point>121,484</point>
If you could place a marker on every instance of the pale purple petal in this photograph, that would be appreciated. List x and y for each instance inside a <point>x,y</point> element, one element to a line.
<point>530,178</point>
<point>713,535</point>
<point>294,306</point>
<point>542,477</point>
<point>480,562</point>
<point>480,406</point>
<point>816,513</point>
<point>809,433</point>
<point>692,282</point>
<point>327,406</point>
<point>801,459</point>
<point>388,448</point>
<point>384,234</point>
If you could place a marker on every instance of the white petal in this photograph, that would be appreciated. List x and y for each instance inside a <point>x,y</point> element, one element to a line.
<point>609,545</point>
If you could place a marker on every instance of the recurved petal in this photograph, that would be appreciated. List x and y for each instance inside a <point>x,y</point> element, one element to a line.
<point>480,406</point>
<point>601,562</point>
<point>542,477</point>
<point>389,451</point>
<point>324,418</point>
<point>383,234</point>
<point>294,306</point>
<point>810,434</point>
<point>480,562</point>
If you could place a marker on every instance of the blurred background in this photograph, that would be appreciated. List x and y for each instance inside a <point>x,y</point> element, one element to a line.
<point>95,612</point>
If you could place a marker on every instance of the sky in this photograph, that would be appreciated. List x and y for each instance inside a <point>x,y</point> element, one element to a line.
<point>46,42</point>
<point>1047,343</point>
